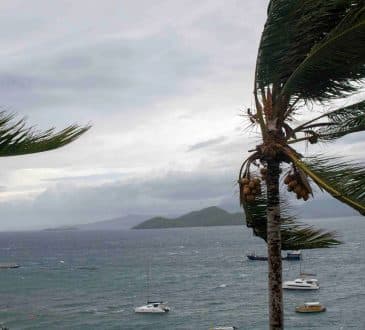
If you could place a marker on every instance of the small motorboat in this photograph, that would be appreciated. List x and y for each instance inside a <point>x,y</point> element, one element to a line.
<point>224,328</point>
<point>158,307</point>
<point>8,265</point>
<point>294,255</point>
<point>253,256</point>
<point>310,307</point>
<point>301,284</point>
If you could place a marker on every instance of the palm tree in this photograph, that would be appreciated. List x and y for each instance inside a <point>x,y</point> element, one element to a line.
<point>311,52</point>
<point>17,139</point>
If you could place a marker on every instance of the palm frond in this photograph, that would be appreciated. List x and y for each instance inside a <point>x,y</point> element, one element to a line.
<point>344,180</point>
<point>334,63</point>
<point>294,235</point>
<point>291,31</point>
<point>297,236</point>
<point>343,121</point>
<point>17,139</point>
<point>336,124</point>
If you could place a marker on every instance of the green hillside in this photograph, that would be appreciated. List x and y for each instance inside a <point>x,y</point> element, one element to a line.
<point>211,216</point>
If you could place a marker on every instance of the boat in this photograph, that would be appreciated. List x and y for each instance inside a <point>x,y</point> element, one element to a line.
<point>294,255</point>
<point>301,284</point>
<point>310,307</point>
<point>152,306</point>
<point>8,265</point>
<point>253,256</point>
<point>157,307</point>
<point>224,328</point>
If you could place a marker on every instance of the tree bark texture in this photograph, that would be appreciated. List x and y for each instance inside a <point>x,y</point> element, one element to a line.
<point>274,247</point>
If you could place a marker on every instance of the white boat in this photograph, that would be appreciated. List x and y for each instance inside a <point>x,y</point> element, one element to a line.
<point>301,284</point>
<point>153,307</point>
<point>223,328</point>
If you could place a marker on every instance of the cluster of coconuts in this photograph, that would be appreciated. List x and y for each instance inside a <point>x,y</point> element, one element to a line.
<point>295,184</point>
<point>263,172</point>
<point>251,188</point>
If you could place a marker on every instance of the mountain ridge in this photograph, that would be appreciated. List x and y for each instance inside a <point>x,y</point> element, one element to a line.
<point>210,216</point>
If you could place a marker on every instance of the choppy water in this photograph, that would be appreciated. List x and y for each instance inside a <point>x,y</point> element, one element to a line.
<point>92,280</point>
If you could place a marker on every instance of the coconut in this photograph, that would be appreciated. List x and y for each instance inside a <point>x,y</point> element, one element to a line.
<point>246,190</point>
<point>263,171</point>
<point>250,198</point>
<point>252,184</point>
<point>298,189</point>
<point>245,181</point>
<point>257,181</point>
<point>292,184</point>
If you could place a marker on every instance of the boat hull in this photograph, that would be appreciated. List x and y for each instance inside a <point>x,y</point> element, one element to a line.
<point>252,257</point>
<point>289,287</point>
<point>299,288</point>
<point>302,309</point>
<point>146,311</point>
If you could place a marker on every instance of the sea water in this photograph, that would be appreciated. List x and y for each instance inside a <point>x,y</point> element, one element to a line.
<point>93,280</point>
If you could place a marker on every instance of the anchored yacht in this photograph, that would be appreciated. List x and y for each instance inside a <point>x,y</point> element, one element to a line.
<point>153,307</point>
<point>301,284</point>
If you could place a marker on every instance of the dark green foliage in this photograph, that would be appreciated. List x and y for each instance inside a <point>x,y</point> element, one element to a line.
<point>344,180</point>
<point>312,49</point>
<point>334,124</point>
<point>334,64</point>
<point>294,235</point>
<point>343,121</point>
<point>16,139</point>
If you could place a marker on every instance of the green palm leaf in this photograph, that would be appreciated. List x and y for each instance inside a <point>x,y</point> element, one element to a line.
<point>335,124</point>
<point>345,181</point>
<point>334,63</point>
<point>16,139</point>
<point>294,235</point>
<point>291,31</point>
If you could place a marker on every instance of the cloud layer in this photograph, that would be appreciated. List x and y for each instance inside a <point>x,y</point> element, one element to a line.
<point>164,88</point>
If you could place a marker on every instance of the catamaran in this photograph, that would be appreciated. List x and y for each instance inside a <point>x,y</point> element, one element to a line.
<point>301,284</point>
<point>153,307</point>
<point>156,307</point>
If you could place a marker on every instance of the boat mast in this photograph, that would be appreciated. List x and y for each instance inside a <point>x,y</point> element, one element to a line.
<point>148,282</point>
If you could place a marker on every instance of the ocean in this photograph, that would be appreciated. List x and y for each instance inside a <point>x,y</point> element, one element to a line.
<point>93,280</point>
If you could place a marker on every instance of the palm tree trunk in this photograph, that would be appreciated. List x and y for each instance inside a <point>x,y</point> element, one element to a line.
<point>274,247</point>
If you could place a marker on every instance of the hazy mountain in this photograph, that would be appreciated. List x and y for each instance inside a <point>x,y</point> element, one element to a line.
<point>214,216</point>
<point>121,223</point>
<point>211,216</point>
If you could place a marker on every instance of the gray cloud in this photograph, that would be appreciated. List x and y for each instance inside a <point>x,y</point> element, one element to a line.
<point>208,143</point>
<point>152,82</point>
<point>172,194</point>
<point>115,75</point>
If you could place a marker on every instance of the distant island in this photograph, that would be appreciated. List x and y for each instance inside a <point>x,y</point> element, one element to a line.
<point>64,228</point>
<point>211,216</point>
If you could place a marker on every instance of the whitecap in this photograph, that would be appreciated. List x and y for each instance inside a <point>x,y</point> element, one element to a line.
<point>118,311</point>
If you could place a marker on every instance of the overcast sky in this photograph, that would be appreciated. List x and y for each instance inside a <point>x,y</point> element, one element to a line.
<point>164,84</point>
